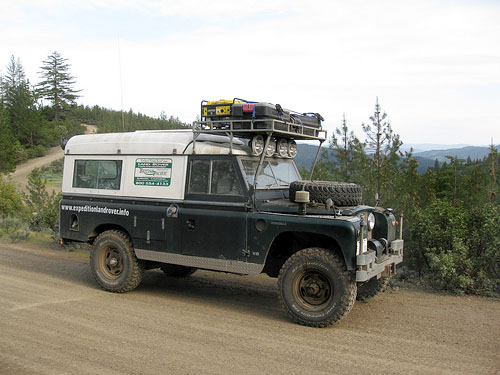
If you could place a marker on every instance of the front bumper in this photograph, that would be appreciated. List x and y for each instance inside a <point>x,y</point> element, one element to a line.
<point>369,266</point>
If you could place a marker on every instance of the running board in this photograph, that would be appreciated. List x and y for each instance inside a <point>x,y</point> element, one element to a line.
<point>225,265</point>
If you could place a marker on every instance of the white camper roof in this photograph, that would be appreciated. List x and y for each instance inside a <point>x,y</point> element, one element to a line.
<point>155,142</point>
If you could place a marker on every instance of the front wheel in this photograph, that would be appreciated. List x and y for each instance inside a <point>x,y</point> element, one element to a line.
<point>316,290</point>
<point>371,288</point>
<point>114,264</point>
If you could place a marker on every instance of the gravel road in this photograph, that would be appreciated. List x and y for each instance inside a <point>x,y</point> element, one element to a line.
<point>20,175</point>
<point>56,320</point>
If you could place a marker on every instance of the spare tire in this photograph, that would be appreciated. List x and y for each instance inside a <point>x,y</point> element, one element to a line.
<point>341,193</point>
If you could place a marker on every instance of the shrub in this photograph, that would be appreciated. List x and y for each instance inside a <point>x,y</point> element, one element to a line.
<point>457,249</point>
<point>14,228</point>
<point>11,203</point>
<point>43,208</point>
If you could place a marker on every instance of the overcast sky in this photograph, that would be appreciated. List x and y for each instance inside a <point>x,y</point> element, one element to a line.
<point>433,64</point>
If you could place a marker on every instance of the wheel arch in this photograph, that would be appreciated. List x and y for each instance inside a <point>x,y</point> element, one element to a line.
<point>288,243</point>
<point>105,227</point>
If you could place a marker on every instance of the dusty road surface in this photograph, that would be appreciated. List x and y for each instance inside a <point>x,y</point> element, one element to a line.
<point>20,175</point>
<point>56,320</point>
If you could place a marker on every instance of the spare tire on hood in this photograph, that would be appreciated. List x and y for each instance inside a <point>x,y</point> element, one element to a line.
<point>341,193</point>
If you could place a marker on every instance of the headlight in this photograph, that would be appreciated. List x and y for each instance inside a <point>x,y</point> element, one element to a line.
<point>371,221</point>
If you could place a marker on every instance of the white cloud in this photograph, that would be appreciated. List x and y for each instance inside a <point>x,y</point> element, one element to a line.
<point>433,64</point>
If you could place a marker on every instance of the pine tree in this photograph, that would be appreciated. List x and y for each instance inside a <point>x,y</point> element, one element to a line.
<point>9,146</point>
<point>12,81</point>
<point>58,84</point>
<point>20,104</point>
<point>493,172</point>
<point>384,145</point>
<point>348,149</point>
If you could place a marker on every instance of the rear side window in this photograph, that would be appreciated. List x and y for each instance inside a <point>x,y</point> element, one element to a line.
<point>200,177</point>
<point>97,174</point>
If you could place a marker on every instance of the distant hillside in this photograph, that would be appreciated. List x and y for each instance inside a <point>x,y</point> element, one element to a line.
<point>306,153</point>
<point>421,147</point>
<point>475,152</point>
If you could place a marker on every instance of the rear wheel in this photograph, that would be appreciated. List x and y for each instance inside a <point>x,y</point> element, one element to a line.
<point>114,264</point>
<point>175,270</point>
<point>315,287</point>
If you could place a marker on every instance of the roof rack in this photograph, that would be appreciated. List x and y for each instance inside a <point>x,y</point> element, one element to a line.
<point>265,126</point>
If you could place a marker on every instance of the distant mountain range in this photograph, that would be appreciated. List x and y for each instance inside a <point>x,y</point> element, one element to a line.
<point>426,159</point>
<point>474,152</point>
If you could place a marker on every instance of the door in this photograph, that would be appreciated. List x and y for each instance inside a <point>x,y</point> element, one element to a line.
<point>214,215</point>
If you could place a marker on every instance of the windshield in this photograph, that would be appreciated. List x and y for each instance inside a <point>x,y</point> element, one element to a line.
<point>274,172</point>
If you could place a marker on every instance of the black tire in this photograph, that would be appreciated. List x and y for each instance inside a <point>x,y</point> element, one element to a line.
<point>175,270</point>
<point>315,288</point>
<point>371,288</point>
<point>114,264</point>
<point>341,193</point>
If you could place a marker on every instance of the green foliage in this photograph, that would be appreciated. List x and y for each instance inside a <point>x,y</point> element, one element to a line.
<point>11,204</point>
<point>28,127</point>
<point>383,146</point>
<point>14,228</point>
<point>455,248</point>
<point>9,145</point>
<point>43,208</point>
<point>57,83</point>
<point>110,121</point>
<point>451,212</point>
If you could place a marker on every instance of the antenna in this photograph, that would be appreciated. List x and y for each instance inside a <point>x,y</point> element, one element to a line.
<point>121,81</point>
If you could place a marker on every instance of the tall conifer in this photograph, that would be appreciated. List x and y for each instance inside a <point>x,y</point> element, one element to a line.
<point>57,85</point>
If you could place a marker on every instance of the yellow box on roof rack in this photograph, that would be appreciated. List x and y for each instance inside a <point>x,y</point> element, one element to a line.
<point>217,107</point>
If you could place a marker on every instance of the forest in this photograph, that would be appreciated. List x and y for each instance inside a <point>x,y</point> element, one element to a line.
<point>36,117</point>
<point>450,213</point>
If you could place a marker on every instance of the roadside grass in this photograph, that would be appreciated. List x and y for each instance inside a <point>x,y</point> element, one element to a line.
<point>45,241</point>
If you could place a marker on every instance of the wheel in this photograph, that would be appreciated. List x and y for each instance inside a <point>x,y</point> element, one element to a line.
<point>175,270</point>
<point>371,288</point>
<point>114,264</point>
<point>341,193</point>
<point>316,290</point>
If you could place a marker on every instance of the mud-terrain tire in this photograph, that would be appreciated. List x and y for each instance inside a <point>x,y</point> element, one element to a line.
<point>114,264</point>
<point>174,270</point>
<point>371,288</point>
<point>341,193</point>
<point>315,288</point>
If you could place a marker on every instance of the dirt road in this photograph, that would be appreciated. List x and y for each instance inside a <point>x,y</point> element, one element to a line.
<point>20,175</point>
<point>55,320</point>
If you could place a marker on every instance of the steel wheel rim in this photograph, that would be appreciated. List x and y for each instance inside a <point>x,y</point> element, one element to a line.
<point>111,262</point>
<point>313,290</point>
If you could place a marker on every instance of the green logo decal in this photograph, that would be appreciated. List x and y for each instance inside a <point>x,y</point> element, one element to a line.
<point>153,172</point>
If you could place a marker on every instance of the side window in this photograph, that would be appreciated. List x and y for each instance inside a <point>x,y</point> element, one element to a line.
<point>199,179</point>
<point>214,177</point>
<point>97,174</point>
<point>224,178</point>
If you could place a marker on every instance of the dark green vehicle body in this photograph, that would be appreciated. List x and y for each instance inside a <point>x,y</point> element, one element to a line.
<point>151,200</point>
<point>238,228</point>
